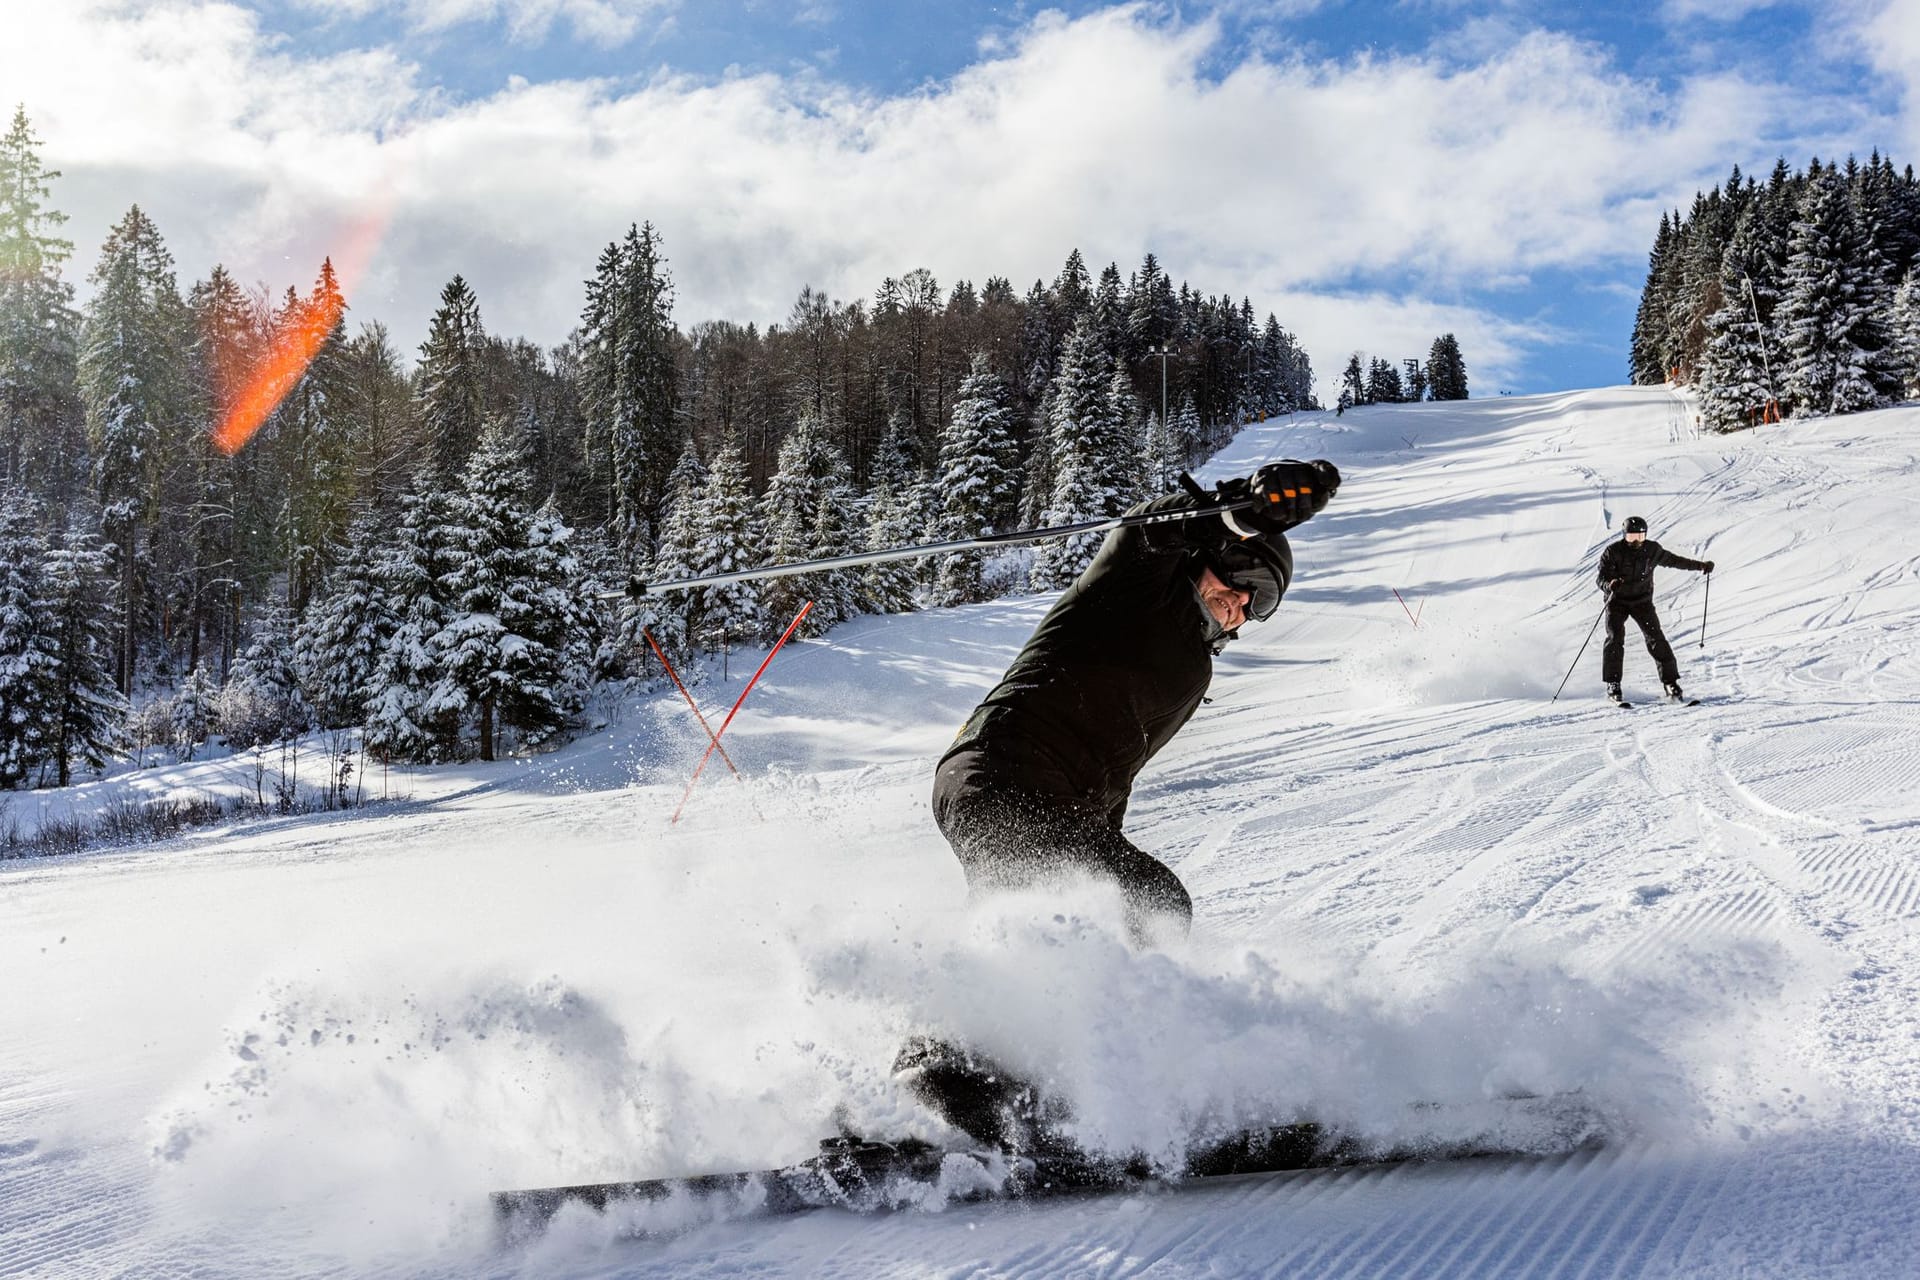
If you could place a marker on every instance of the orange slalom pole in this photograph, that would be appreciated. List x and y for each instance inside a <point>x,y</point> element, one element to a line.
<point>804,610</point>
<point>662,655</point>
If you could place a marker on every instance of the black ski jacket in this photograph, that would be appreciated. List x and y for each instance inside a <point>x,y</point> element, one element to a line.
<point>1634,567</point>
<point>1113,671</point>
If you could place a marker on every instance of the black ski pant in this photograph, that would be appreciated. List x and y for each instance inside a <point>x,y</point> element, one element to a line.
<point>1008,837</point>
<point>1613,652</point>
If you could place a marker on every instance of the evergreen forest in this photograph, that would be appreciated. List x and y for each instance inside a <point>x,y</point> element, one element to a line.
<point>1794,296</point>
<point>203,538</point>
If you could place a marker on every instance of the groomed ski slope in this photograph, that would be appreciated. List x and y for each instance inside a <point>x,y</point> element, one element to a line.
<point>311,1048</point>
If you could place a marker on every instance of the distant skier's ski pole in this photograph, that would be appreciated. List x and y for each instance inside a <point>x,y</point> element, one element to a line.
<point>1403,604</point>
<point>636,588</point>
<point>1705,595</point>
<point>712,746</point>
<point>712,737</point>
<point>1583,653</point>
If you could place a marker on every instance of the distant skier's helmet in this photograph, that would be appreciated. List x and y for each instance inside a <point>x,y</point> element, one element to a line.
<point>1261,566</point>
<point>1635,524</point>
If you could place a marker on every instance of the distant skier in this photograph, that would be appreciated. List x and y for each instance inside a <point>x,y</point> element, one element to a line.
<point>1038,780</point>
<point>1626,576</point>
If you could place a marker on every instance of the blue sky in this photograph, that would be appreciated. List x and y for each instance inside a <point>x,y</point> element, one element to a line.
<point>1373,173</point>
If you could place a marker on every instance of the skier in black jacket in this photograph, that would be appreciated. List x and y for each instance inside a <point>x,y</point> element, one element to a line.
<point>1037,782</point>
<point>1626,576</point>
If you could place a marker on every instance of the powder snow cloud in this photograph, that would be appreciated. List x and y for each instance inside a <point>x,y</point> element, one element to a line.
<point>1370,201</point>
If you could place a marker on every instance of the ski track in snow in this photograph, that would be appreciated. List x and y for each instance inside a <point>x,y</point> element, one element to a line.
<point>310,1047</point>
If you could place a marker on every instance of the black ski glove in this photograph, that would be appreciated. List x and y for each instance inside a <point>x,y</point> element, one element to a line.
<point>1709,567</point>
<point>1288,493</point>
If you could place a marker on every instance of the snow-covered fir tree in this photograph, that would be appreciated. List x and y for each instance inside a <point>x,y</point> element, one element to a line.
<point>133,381</point>
<point>677,620</point>
<point>451,395</point>
<point>1093,456</point>
<point>1736,370</point>
<point>1124,408</point>
<point>193,712</point>
<point>1833,309</point>
<point>893,519</point>
<point>1906,330</point>
<point>1160,465</point>
<point>84,707</point>
<point>40,450</point>
<point>315,443</point>
<point>1446,369</point>
<point>27,659</point>
<point>341,639</point>
<point>263,700</point>
<point>1187,437</point>
<point>415,581</point>
<point>630,386</point>
<point>809,506</point>
<point>501,655</point>
<point>730,541</point>
<point>977,481</point>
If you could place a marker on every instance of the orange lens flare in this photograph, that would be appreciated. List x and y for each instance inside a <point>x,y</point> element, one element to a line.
<point>294,348</point>
<point>292,351</point>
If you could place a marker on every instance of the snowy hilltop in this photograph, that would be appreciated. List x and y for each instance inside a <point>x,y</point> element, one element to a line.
<point>316,1044</point>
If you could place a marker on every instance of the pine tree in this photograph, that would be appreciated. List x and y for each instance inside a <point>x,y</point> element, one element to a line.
<point>340,641</point>
<point>133,381</point>
<point>1093,456</point>
<point>977,481</point>
<point>678,620</point>
<point>631,382</point>
<point>1383,383</point>
<point>495,655</point>
<point>1832,314</point>
<point>1649,360</point>
<point>84,709</point>
<point>808,505</point>
<point>1906,330</point>
<point>1446,371</point>
<point>1123,407</point>
<point>40,441</point>
<point>1353,384</point>
<point>315,443</point>
<point>192,713</point>
<point>1736,369</point>
<point>415,582</point>
<point>893,520</point>
<point>263,700</point>
<point>27,659</point>
<point>730,541</point>
<point>451,396</point>
<point>1187,437</point>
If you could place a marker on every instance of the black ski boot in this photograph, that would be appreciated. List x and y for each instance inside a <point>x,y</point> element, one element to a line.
<point>1613,694</point>
<point>1674,694</point>
<point>980,1098</point>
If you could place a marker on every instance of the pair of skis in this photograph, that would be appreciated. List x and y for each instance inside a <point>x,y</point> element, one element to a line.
<point>1624,705</point>
<point>860,1176</point>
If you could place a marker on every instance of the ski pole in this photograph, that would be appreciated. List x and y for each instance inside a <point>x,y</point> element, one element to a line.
<point>1583,653</point>
<point>637,589</point>
<point>1705,596</point>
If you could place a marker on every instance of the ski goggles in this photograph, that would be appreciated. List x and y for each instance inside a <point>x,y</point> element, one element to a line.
<point>1259,570</point>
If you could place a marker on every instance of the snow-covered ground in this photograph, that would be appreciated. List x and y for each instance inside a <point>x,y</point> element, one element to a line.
<point>310,1047</point>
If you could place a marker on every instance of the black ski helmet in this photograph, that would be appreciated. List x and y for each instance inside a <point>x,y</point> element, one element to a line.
<point>1261,566</point>
<point>1634,524</point>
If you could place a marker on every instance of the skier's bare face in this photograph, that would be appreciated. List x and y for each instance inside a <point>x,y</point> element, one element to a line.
<point>1228,605</point>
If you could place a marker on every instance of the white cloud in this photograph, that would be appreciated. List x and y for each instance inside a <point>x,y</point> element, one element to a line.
<point>1887,33</point>
<point>1308,185</point>
<point>1679,11</point>
<point>603,22</point>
